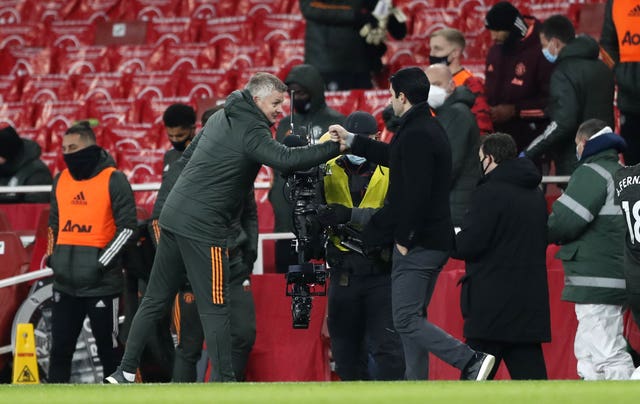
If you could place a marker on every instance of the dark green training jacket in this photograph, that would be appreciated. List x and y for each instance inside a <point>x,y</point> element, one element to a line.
<point>25,169</point>
<point>210,192</point>
<point>581,88</point>
<point>464,136</point>
<point>314,122</point>
<point>77,270</point>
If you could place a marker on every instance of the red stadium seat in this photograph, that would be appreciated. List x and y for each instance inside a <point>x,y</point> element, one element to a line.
<point>40,136</point>
<point>10,88</point>
<point>244,75</point>
<point>207,9</point>
<point>70,33</point>
<point>239,56</point>
<point>259,8</point>
<point>23,34</point>
<point>406,53</point>
<point>116,111</point>
<point>135,58</point>
<point>147,85</point>
<point>344,102</point>
<point>56,117</point>
<point>278,27</point>
<point>426,19</point>
<point>184,57</point>
<point>374,102</point>
<point>153,109</point>
<point>41,88</point>
<point>236,29</point>
<point>51,161</point>
<point>83,60</point>
<point>16,114</point>
<point>94,11</point>
<point>170,31</point>
<point>5,225</point>
<point>99,86</point>
<point>130,137</point>
<point>208,83</point>
<point>147,10</point>
<point>25,60</point>
<point>288,53</point>
<point>143,166</point>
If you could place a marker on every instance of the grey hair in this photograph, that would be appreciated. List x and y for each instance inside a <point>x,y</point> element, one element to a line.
<point>262,84</point>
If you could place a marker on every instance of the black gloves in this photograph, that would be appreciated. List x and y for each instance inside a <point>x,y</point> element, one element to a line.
<point>333,214</point>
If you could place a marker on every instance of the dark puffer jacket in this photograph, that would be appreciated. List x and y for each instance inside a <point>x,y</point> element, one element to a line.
<point>505,296</point>
<point>25,169</point>
<point>462,129</point>
<point>77,270</point>
<point>314,123</point>
<point>581,89</point>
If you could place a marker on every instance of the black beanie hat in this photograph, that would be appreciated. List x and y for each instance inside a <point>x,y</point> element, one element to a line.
<point>361,123</point>
<point>502,17</point>
<point>10,143</point>
<point>413,82</point>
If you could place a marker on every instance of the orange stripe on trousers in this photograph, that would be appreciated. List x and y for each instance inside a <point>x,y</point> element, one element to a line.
<point>216,276</point>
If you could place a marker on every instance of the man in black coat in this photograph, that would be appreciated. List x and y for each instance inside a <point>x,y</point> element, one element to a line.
<point>505,297</point>
<point>416,219</point>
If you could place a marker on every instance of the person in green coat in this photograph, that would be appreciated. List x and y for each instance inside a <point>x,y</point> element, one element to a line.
<point>589,226</point>
<point>197,216</point>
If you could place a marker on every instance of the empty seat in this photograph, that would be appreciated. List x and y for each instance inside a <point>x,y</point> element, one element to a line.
<point>42,88</point>
<point>23,34</point>
<point>10,88</point>
<point>56,117</point>
<point>277,27</point>
<point>135,58</point>
<point>170,31</point>
<point>83,60</point>
<point>94,11</point>
<point>344,102</point>
<point>70,33</point>
<point>17,114</point>
<point>152,109</point>
<point>184,57</point>
<point>26,60</point>
<point>100,86</point>
<point>237,29</point>
<point>148,85</point>
<point>115,111</point>
<point>206,9</point>
<point>147,10</point>
<point>207,83</point>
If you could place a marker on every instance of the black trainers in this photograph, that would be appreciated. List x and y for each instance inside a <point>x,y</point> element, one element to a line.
<point>116,377</point>
<point>478,367</point>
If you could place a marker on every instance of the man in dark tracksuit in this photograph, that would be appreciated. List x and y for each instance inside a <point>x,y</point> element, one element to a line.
<point>20,164</point>
<point>620,36</point>
<point>92,217</point>
<point>516,74</point>
<point>417,221</point>
<point>242,255</point>
<point>197,215</point>
<point>311,117</point>
<point>581,88</point>
<point>359,316</point>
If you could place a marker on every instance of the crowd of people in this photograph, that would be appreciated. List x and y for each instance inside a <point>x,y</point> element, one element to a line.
<point>460,178</point>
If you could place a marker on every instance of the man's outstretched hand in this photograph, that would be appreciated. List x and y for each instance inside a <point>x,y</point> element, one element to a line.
<point>333,214</point>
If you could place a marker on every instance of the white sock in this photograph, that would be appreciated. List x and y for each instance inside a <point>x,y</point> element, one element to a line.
<point>129,376</point>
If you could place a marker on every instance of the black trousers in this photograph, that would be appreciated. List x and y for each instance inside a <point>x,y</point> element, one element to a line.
<point>361,328</point>
<point>630,131</point>
<point>66,323</point>
<point>523,360</point>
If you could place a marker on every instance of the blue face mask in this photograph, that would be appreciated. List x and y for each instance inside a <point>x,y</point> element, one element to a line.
<point>355,160</point>
<point>551,58</point>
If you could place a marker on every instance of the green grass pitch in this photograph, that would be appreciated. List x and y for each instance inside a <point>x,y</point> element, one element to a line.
<point>510,392</point>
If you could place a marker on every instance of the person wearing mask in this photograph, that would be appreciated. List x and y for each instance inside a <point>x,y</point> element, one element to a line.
<point>196,219</point>
<point>359,315</point>
<point>503,240</point>
<point>581,88</point>
<point>516,75</point>
<point>589,226</point>
<point>92,218</point>
<point>620,33</point>
<point>416,220</point>
<point>345,40</point>
<point>310,117</point>
<point>452,108</point>
<point>20,164</point>
<point>447,47</point>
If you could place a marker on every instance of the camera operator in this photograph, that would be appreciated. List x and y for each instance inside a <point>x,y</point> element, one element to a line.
<point>359,316</point>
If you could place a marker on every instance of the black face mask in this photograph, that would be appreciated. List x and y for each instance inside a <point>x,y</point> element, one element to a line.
<point>301,105</point>
<point>82,163</point>
<point>181,145</point>
<point>433,60</point>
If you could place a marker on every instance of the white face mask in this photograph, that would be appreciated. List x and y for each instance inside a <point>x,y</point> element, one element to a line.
<point>437,95</point>
<point>355,160</point>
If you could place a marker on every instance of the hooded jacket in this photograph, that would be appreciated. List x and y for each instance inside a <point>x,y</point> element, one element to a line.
<point>315,122</point>
<point>505,296</point>
<point>520,77</point>
<point>589,226</point>
<point>462,129</point>
<point>627,73</point>
<point>210,191</point>
<point>25,169</point>
<point>581,88</point>
<point>79,270</point>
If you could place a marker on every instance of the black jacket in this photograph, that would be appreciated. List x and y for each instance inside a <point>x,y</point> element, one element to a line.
<point>462,129</point>
<point>25,169</point>
<point>419,161</point>
<point>581,89</point>
<point>503,241</point>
